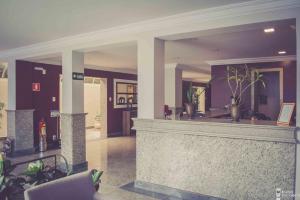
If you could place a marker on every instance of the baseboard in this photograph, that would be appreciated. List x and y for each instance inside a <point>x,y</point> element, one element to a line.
<point>20,153</point>
<point>173,192</point>
<point>115,134</point>
<point>79,167</point>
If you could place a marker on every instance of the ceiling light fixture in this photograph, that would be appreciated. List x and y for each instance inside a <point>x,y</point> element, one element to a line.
<point>269,30</point>
<point>293,27</point>
<point>281,52</point>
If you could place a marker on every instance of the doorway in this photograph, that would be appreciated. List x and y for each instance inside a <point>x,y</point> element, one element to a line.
<point>200,106</point>
<point>95,107</point>
<point>267,100</point>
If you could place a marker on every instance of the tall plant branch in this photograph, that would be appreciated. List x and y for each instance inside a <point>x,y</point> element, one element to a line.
<point>242,80</point>
<point>228,80</point>
<point>252,83</point>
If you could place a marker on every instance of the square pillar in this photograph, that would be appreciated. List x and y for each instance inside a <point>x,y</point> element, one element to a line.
<point>151,60</point>
<point>73,142</point>
<point>19,122</point>
<point>11,73</point>
<point>173,89</point>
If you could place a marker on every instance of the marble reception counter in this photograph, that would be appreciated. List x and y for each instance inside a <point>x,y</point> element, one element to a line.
<point>220,159</point>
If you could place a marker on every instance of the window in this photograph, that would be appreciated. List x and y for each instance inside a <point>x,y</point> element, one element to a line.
<point>125,93</point>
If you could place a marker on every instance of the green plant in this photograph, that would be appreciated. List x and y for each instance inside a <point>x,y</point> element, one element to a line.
<point>96,175</point>
<point>240,79</point>
<point>10,185</point>
<point>37,172</point>
<point>2,177</point>
<point>193,94</point>
<point>13,186</point>
<point>189,93</point>
<point>34,168</point>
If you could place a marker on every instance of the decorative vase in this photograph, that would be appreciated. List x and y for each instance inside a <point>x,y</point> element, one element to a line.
<point>235,112</point>
<point>189,108</point>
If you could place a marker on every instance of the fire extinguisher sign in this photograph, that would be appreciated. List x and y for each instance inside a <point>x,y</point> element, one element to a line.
<point>36,87</point>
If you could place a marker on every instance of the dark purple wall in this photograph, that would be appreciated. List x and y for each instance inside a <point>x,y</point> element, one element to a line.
<point>114,116</point>
<point>41,101</point>
<point>220,92</point>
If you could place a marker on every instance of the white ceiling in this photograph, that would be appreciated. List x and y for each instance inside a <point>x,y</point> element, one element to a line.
<point>25,22</point>
<point>247,41</point>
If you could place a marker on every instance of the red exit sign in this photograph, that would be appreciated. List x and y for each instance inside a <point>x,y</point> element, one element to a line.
<point>36,87</point>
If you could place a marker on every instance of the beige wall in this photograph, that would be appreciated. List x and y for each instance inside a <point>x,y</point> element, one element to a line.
<point>3,98</point>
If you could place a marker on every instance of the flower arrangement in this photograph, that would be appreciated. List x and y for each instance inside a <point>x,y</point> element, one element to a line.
<point>239,80</point>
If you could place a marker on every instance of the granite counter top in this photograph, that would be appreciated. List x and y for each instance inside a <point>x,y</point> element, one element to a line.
<point>245,129</point>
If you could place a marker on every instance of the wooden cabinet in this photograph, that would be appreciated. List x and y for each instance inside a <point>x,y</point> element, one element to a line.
<point>127,121</point>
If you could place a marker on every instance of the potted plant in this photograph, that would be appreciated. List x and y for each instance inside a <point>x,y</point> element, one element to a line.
<point>192,95</point>
<point>2,179</point>
<point>190,104</point>
<point>11,186</point>
<point>96,175</point>
<point>239,80</point>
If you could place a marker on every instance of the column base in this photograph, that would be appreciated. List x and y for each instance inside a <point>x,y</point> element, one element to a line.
<point>73,141</point>
<point>79,167</point>
<point>20,130</point>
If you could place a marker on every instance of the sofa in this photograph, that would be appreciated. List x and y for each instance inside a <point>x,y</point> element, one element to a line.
<point>75,187</point>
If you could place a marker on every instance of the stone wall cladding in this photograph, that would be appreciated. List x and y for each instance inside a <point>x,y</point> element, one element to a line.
<point>229,168</point>
<point>20,128</point>
<point>73,142</point>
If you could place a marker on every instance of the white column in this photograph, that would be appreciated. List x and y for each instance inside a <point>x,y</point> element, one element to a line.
<point>72,61</point>
<point>73,142</point>
<point>173,88</point>
<point>151,78</point>
<point>11,72</point>
<point>19,122</point>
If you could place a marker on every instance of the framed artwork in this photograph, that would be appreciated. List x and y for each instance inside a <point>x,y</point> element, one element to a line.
<point>125,93</point>
<point>286,113</point>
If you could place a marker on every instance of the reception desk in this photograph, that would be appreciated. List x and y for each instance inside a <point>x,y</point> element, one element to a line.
<point>215,157</point>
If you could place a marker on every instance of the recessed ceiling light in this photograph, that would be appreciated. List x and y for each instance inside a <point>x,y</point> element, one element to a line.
<point>281,52</point>
<point>269,30</point>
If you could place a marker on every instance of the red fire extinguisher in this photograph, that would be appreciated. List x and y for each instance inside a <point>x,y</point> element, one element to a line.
<point>42,127</point>
<point>43,135</point>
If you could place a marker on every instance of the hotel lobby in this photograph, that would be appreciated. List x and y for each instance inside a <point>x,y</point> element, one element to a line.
<point>169,100</point>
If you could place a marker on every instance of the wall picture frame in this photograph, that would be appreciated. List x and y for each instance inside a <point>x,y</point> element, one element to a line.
<point>125,91</point>
<point>285,114</point>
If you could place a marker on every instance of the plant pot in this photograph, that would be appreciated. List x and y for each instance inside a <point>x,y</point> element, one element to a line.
<point>97,186</point>
<point>190,109</point>
<point>235,112</point>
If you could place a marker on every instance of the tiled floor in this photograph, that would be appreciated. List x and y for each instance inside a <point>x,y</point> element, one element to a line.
<point>93,134</point>
<point>117,158</point>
